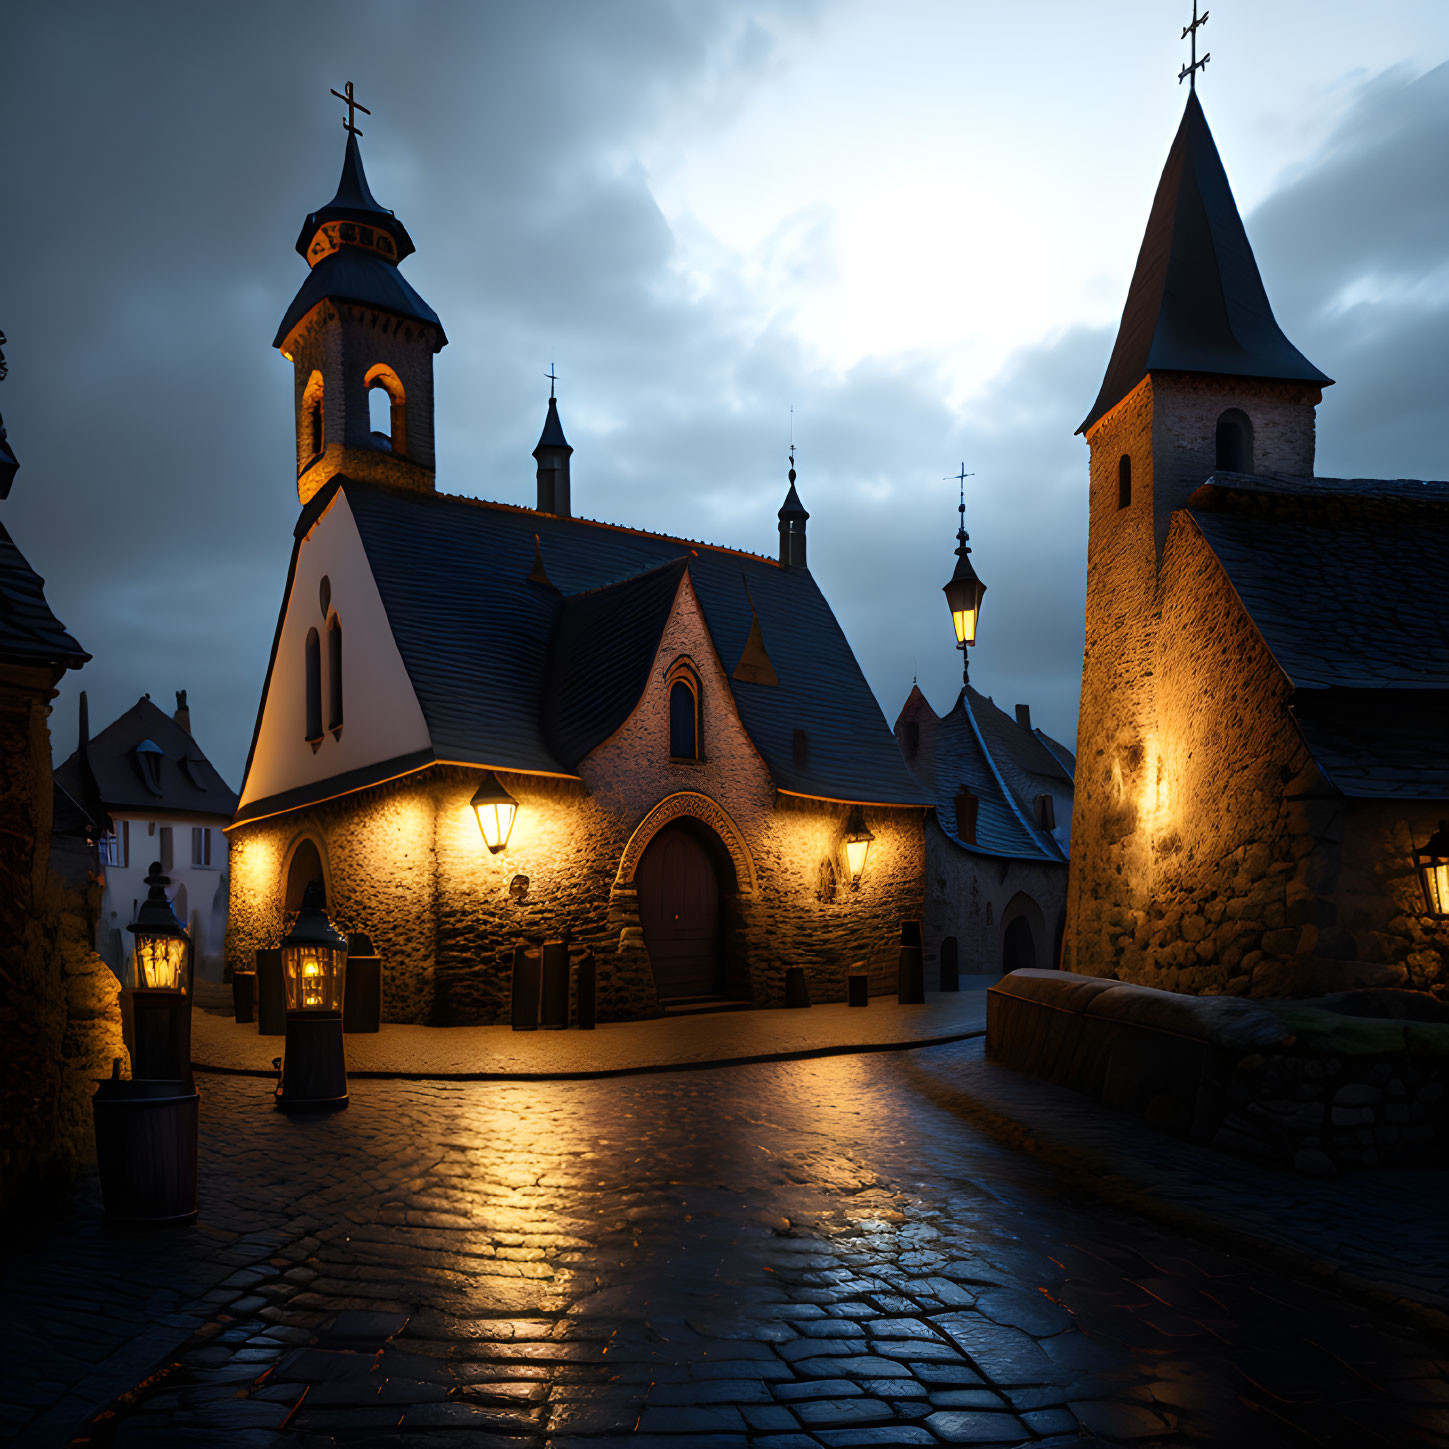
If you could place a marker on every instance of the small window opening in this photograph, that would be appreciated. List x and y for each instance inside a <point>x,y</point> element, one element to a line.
<point>683,721</point>
<point>200,845</point>
<point>1124,481</point>
<point>966,807</point>
<point>1046,812</point>
<point>334,675</point>
<point>386,409</point>
<point>1235,442</point>
<point>167,857</point>
<point>314,438</point>
<point>379,417</point>
<point>314,688</point>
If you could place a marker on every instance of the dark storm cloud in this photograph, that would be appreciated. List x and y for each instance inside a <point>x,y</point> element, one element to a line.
<point>148,261</point>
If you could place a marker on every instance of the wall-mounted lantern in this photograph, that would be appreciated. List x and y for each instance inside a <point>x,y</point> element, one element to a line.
<point>162,943</point>
<point>857,844</point>
<point>495,809</point>
<point>965,590</point>
<point>314,957</point>
<point>1432,863</point>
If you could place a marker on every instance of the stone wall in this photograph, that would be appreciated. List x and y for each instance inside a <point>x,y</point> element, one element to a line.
<point>60,1019</point>
<point>405,863</point>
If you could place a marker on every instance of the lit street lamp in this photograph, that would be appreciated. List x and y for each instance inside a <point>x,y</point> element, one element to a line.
<point>495,809</point>
<point>1432,863</point>
<point>314,962</point>
<point>857,844</point>
<point>964,592</point>
<point>160,988</point>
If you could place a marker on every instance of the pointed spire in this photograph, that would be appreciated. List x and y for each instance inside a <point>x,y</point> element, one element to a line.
<point>793,517</point>
<point>354,202</point>
<point>552,456</point>
<point>1197,301</point>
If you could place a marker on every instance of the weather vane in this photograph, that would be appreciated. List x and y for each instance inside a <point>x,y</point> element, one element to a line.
<point>354,105</point>
<point>1189,72</point>
<point>552,376</point>
<point>792,442</point>
<point>960,478</point>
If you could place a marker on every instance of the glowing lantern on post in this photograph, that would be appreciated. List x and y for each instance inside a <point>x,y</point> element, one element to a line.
<point>495,809</point>
<point>964,594</point>
<point>314,958</point>
<point>857,844</point>
<point>1432,863</point>
<point>162,944</point>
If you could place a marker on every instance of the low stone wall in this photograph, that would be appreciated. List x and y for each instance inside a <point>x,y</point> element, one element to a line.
<point>1319,1087</point>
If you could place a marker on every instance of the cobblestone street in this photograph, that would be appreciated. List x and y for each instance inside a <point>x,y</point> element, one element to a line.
<point>789,1255</point>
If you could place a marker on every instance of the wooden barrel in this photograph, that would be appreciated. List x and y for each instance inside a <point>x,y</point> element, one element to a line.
<point>586,974</point>
<point>314,1065</point>
<point>244,995</point>
<point>362,994</point>
<point>553,1006</point>
<point>525,988</point>
<point>271,994</point>
<point>146,1135</point>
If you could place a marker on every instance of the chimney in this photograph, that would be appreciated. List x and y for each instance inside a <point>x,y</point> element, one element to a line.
<point>1023,716</point>
<point>183,714</point>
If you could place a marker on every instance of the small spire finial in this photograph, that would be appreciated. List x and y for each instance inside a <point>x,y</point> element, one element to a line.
<point>1189,72</point>
<point>552,376</point>
<point>960,479</point>
<point>352,107</point>
<point>792,442</point>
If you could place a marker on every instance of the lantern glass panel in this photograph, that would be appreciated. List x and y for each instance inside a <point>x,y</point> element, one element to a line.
<point>161,962</point>
<point>314,977</point>
<point>855,854</point>
<point>965,622</point>
<point>1434,874</point>
<point>495,820</point>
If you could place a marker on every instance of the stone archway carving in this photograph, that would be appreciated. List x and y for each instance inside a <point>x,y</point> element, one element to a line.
<point>306,858</point>
<point>688,804</point>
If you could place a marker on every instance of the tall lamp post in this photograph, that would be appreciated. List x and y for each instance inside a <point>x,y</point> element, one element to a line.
<point>965,590</point>
<point>161,988</point>
<point>314,962</point>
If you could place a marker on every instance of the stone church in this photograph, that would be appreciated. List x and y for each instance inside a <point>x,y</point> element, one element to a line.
<point>484,724</point>
<point>1265,684</point>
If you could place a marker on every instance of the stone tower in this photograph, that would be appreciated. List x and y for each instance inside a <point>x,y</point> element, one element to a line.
<point>353,328</point>
<point>1201,381</point>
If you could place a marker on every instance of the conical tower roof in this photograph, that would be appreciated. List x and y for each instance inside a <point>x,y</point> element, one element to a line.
<point>1197,302</point>
<point>354,201</point>
<point>553,433</point>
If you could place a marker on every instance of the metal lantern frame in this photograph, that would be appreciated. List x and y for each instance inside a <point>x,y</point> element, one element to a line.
<point>964,594</point>
<point>314,957</point>
<point>857,842</point>
<point>1432,864</point>
<point>496,810</point>
<point>163,945</point>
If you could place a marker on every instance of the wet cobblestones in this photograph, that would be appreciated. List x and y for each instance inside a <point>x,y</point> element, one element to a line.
<point>802,1254</point>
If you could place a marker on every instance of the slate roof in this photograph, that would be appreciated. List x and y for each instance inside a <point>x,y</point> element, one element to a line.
<point>1344,581</point>
<point>187,782</point>
<point>1005,766</point>
<point>29,632</point>
<point>476,639</point>
<point>1197,302</point>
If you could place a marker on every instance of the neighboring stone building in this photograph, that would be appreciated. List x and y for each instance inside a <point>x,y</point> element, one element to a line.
<point>60,1020</point>
<point>1265,686</point>
<point>166,802</point>
<point>683,728</point>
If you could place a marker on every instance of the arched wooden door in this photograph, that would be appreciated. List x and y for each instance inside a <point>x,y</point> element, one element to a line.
<point>679,909</point>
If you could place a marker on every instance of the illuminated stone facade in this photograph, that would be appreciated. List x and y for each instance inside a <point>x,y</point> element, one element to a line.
<point>404,861</point>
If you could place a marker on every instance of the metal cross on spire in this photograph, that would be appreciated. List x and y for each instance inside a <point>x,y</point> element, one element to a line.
<point>552,376</point>
<point>1189,72</point>
<point>960,479</point>
<point>352,106</point>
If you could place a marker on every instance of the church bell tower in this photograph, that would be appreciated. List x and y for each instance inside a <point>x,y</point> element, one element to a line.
<point>356,328</point>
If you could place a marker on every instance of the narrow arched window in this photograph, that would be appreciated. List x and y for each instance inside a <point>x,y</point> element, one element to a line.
<point>683,721</point>
<point>334,675</point>
<point>1124,481</point>
<point>1235,442</point>
<point>312,435</point>
<point>387,408</point>
<point>314,688</point>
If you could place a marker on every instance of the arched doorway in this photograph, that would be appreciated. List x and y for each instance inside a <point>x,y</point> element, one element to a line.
<point>1018,946</point>
<point>304,867</point>
<point>679,909</point>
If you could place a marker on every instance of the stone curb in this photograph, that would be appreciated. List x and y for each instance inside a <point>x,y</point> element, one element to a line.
<point>1099,1174</point>
<point>640,1070</point>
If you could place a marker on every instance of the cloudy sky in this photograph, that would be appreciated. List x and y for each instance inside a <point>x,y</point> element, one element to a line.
<point>913,222</point>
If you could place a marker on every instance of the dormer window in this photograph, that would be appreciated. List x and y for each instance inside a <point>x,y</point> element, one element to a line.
<point>683,686</point>
<point>148,760</point>
<point>1235,442</point>
<point>967,805</point>
<point>387,409</point>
